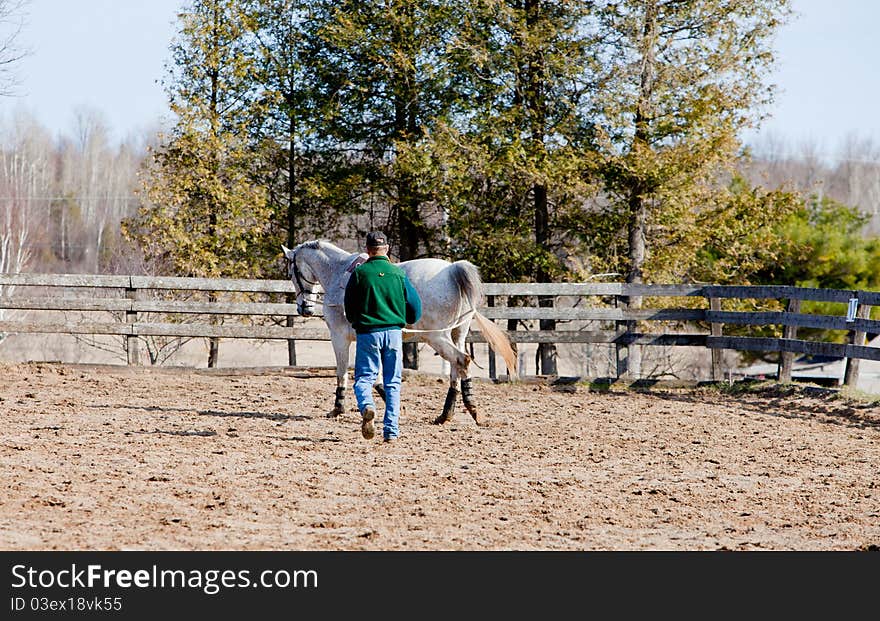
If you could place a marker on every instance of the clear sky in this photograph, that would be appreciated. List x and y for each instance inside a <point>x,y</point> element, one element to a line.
<point>109,55</point>
<point>827,74</point>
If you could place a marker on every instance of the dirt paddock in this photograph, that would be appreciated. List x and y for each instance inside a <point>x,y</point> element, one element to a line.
<point>108,458</point>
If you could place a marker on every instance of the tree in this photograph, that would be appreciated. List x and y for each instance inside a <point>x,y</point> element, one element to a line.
<point>777,237</point>
<point>285,115</point>
<point>680,80</point>
<point>383,90</point>
<point>204,216</point>
<point>824,246</point>
<point>94,185</point>
<point>852,177</point>
<point>11,25</point>
<point>17,227</point>
<point>284,122</point>
<point>516,145</point>
<point>25,163</point>
<point>743,236</point>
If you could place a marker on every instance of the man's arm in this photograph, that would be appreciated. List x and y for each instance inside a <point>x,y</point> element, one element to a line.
<point>413,302</point>
<point>351,302</point>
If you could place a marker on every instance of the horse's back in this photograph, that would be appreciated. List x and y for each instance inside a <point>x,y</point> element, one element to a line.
<point>438,284</point>
<point>423,269</point>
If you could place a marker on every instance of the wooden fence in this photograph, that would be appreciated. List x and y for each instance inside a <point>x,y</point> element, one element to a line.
<point>131,299</point>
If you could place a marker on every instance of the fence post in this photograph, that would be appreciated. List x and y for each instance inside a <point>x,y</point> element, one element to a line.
<point>856,337</point>
<point>291,343</point>
<point>547,351</point>
<point>622,328</point>
<point>633,351</point>
<point>786,359</point>
<point>493,373</point>
<point>510,302</point>
<point>132,346</point>
<point>716,329</point>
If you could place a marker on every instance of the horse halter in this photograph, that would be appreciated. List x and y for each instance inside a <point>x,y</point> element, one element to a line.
<point>304,306</point>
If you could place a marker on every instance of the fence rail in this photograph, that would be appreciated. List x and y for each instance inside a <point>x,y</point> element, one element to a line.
<point>134,297</point>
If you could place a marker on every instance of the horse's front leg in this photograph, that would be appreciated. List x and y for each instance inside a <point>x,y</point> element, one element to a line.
<point>341,349</point>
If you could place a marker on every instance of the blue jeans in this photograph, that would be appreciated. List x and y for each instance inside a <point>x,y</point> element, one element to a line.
<point>383,348</point>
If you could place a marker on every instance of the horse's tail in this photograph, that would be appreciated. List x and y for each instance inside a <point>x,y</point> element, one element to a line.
<point>499,342</point>
<point>467,277</point>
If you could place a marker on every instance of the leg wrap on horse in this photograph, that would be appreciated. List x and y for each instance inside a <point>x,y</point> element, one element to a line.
<point>467,395</point>
<point>448,407</point>
<point>339,405</point>
<point>467,391</point>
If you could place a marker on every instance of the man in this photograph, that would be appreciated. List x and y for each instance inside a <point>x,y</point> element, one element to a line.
<point>379,302</point>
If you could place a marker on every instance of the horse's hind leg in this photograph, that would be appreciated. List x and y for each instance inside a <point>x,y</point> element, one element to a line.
<point>458,361</point>
<point>467,395</point>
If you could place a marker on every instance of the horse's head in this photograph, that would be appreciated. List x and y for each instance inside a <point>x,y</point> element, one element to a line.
<point>303,278</point>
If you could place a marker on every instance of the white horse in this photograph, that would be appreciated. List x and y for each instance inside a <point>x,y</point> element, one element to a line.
<point>450,294</point>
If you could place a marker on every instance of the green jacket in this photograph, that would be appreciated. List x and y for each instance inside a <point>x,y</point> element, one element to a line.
<point>379,296</point>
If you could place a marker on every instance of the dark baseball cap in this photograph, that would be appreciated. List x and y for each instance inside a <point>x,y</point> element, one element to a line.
<point>376,239</point>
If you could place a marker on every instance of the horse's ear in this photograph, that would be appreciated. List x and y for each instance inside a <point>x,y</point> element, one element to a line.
<point>287,251</point>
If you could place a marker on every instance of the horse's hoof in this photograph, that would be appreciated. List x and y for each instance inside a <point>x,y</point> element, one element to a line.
<point>443,418</point>
<point>480,420</point>
<point>335,412</point>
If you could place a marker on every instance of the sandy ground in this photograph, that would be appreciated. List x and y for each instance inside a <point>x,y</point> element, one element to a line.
<point>106,458</point>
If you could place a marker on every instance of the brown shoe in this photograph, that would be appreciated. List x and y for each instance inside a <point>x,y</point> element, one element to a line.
<point>367,417</point>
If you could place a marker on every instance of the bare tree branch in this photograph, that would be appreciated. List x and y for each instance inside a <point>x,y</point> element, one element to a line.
<point>12,22</point>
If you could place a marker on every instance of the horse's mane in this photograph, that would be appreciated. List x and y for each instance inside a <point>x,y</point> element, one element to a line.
<point>315,244</point>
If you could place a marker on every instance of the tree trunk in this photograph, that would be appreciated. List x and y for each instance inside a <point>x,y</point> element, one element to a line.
<point>638,216</point>
<point>639,192</point>
<point>546,351</point>
<point>214,343</point>
<point>537,118</point>
<point>291,215</point>
<point>406,128</point>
